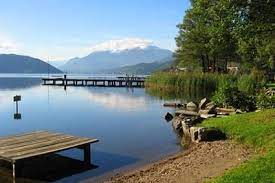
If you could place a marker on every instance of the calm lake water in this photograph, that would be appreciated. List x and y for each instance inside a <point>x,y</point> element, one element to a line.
<point>128,122</point>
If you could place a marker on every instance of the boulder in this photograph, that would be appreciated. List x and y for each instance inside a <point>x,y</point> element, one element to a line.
<point>189,122</point>
<point>203,103</point>
<point>225,111</point>
<point>191,106</point>
<point>199,134</point>
<point>192,121</point>
<point>184,113</point>
<point>176,123</point>
<point>206,116</point>
<point>168,117</point>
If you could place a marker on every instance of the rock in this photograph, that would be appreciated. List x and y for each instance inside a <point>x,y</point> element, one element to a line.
<point>175,105</point>
<point>192,121</point>
<point>206,116</point>
<point>185,128</point>
<point>204,111</point>
<point>212,109</point>
<point>203,103</point>
<point>191,106</point>
<point>238,111</point>
<point>209,110</point>
<point>168,117</point>
<point>226,111</point>
<point>186,113</point>
<point>176,123</point>
<point>189,122</point>
<point>209,104</point>
<point>194,133</point>
<point>199,134</point>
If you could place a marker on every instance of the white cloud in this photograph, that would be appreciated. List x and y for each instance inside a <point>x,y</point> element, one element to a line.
<point>7,45</point>
<point>121,44</point>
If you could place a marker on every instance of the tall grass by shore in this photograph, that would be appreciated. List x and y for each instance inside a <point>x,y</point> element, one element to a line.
<point>188,81</point>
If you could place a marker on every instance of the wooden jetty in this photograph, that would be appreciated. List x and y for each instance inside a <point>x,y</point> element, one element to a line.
<point>24,146</point>
<point>97,82</point>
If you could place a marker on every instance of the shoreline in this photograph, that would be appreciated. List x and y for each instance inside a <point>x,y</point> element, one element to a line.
<point>198,163</point>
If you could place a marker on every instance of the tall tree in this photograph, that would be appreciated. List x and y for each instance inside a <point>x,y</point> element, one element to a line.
<point>215,32</point>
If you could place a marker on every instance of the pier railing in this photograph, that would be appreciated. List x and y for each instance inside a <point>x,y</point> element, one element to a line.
<point>97,82</point>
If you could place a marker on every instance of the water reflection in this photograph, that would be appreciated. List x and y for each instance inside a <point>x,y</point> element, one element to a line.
<point>176,94</point>
<point>128,122</point>
<point>18,83</point>
<point>118,101</point>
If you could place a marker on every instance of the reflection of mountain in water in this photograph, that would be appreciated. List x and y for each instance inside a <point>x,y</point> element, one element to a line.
<point>19,83</point>
<point>120,100</point>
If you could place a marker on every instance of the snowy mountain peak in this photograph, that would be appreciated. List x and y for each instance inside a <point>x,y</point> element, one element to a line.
<point>121,45</point>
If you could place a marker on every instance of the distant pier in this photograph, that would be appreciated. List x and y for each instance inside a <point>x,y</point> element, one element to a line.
<point>137,82</point>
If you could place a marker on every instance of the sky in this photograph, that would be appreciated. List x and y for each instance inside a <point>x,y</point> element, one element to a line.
<point>63,29</point>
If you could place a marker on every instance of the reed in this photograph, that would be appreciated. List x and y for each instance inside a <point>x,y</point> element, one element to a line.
<point>188,81</point>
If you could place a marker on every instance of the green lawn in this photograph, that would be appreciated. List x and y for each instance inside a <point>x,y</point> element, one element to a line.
<point>256,130</point>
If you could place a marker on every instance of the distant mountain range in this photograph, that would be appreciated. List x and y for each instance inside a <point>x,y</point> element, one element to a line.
<point>141,68</point>
<point>11,63</point>
<point>121,56</point>
<point>127,56</point>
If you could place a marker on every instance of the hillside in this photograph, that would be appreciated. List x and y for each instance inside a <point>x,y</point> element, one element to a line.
<point>11,63</point>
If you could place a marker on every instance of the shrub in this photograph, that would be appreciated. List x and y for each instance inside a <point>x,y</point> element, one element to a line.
<point>228,95</point>
<point>265,102</point>
<point>247,83</point>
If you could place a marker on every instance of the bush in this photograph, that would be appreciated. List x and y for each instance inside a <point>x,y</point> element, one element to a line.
<point>247,83</point>
<point>265,102</point>
<point>253,82</point>
<point>228,95</point>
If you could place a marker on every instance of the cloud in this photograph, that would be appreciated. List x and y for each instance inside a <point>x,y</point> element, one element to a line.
<point>7,45</point>
<point>121,44</point>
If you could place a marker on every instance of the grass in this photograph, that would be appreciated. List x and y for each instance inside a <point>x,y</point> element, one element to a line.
<point>187,81</point>
<point>256,130</point>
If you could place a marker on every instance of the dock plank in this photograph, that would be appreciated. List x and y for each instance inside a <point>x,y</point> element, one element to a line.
<point>22,141</point>
<point>10,138</point>
<point>13,148</point>
<point>51,149</point>
<point>36,144</point>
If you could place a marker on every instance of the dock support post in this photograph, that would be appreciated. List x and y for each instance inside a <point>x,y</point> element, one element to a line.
<point>87,154</point>
<point>13,171</point>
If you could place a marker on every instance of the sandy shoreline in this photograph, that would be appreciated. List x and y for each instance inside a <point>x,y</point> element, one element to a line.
<point>199,163</point>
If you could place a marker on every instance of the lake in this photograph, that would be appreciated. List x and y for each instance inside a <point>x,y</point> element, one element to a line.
<point>128,122</point>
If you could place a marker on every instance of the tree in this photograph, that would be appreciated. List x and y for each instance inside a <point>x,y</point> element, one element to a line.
<point>215,32</point>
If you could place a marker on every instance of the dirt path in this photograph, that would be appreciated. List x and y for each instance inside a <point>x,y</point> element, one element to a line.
<point>201,162</point>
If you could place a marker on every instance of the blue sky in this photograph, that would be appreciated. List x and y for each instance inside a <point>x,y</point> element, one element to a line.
<point>62,29</point>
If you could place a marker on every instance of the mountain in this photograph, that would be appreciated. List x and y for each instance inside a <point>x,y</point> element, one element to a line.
<point>141,68</point>
<point>57,63</point>
<point>116,54</point>
<point>11,63</point>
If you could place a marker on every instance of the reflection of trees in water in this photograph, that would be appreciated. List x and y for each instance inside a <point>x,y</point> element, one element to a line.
<point>195,94</point>
<point>19,83</point>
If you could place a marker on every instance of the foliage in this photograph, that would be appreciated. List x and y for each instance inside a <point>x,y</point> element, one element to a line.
<point>227,95</point>
<point>264,101</point>
<point>257,131</point>
<point>215,32</point>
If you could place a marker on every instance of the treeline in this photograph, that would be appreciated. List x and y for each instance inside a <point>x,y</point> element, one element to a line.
<point>215,33</point>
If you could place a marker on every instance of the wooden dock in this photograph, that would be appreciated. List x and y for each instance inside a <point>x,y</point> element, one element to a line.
<point>24,146</point>
<point>97,82</point>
